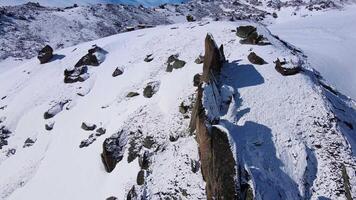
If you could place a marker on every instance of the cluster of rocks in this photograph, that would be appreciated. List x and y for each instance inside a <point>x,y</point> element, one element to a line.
<point>286,71</point>
<point>250,35</point>
<point>4,135</point>
<point>79,73</point>
<point>174,63</point>
<point>93,136</point>
<point>28,142</point>
<point>113,150</point>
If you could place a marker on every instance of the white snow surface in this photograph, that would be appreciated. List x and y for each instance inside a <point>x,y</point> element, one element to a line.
<point>283,128</point>
<point>327,39</point>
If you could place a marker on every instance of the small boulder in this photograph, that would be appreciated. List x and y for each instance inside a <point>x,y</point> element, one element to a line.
<point>286,71</point>
<point>132,94</point>
<point>196,80</point>
<point>132,195</point>
<point>117,72</point>
<point>190,18</point>
<point>183,108</point>
<point>140,180</point>
<point>245,31</point>
<point>151,89</point>
<point>174,63</point>
<point>255,59</point>
<point>49,126</point>
<point>95,56</point>
<point>199,59</point>
<point>148,142</point>
<point>54,110</point>
<point>144,161</point>
<point>88,126</point>
<point>112,198</point>
<point>195,166</point>
<point>113,150</point>
<point>100,131</point>
<point>274,15</point>
<point>148,58</point>
<point>29,142</point>
<point>45,55</point>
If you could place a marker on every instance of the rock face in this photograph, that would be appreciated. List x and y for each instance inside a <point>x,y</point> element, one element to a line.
<point>45,55</point>
<point>286,71</point>
<point>255,59</point>
<point>113,150</point>
<point>217,160</point>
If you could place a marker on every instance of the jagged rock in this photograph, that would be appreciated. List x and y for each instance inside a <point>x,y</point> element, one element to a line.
<point>45,55</point>
<point>117,72</point>
<point>132,94</point>
<point>254,38</point>
<point>196,80</point>
<point>78,74</point>
<point>88,126</point>
<point>57,108</point>
<point>140,180</point>
<point>100,131</point>
<point>286,71</point>
<point>95,57</point>
<point>190,18</point>
<point>255,59</point>
<point>113,150</point>
<point>174,63</point>
<point>183,108</point>
<point>49,126</point>
<point>132,195</point>
<point>151,89</point>
<point>87,142</point>
<point>149,58</point>
<point>144,160</point>
<point>245,31</point>
<point>199,60</point>
<point>28,142</point>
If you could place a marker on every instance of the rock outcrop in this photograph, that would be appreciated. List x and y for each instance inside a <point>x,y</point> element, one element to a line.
<point>217,160</point>
<point>45,55</point>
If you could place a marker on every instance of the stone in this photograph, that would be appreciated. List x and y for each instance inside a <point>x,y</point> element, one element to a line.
<point>174,63</point>
<point>274,15</point>
<point>112,198</point>
<point>132,94</point>
<point>132,195</point>
<point>190,18</point>
<point>199,59</point>
<point>100,131</point>
<point>245,31</point>
<point>88,126</point>
<point>173,138</point>
<point>255,59</point>
<point>151,89</point>
<point>196,80</point>
<point>195,165</point>
<point>183,108</point>
<point>54,110</point>
<point>140,180</point>
<point>117,72</point>
<point>148,142</point>
<point>254,39</point>
<point>149,58</point>
<point>113,150</point>
<point>144,160</point>
<point>49,126</point>
<point>95,56</point>
<point>28,142</point>
<point>45,55</point>
<point>286,71</point>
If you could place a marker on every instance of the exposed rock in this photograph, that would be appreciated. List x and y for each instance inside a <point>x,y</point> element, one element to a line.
<point>196,80</point>
<point>195,165</point>
<point>49,126</point>
<point>140,180</point>
<point>113,150</point>
<point>346,181</point>
<point>148,142</point>
<point>190,18</point>
<point>117,72</point>
<point>274,15</point>
<point>112,198</point>
<point>174,63</point>
<point>45,55</point>
<point>100,131</point>
<point>255,59</point>
<point>149,58</point>
<point>199,60</point>
<point>254,38</point>
<point>88,126</point>
<point>144,160</point>
<point>245,31</point>
<point>132,195</point>
<point>4,135</point>
<point>57,108</point>
<point>130,28</point>
<point>88,141</point>
<point>95,57</point>
<point>151,89</point>
<point>78,74</point>
<point>173,138</point>
<point>286,71</point>
<point>28,142</point>
<point>132,94</point>
<point>183,108</point>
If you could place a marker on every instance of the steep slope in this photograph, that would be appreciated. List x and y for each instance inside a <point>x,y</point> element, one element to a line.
<point>292,136</point>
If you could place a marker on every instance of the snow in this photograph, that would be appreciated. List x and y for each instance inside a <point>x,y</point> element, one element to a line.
<point>272,120</point>
<point>327,39</point>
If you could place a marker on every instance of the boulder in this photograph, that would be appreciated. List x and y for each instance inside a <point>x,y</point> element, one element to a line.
<point>100,131</point>
<point>286,71</point>
<point>148,142</point>
<point>88,141</point>
<point>144,160</point>
<point>195,166</point>
<point>132,94</point>
<point>190,18</point>
<point>49,126</point>
<point>254,39</point>
<point>151,89</point>
<point>117,72</point>
<point>112,198</point>
<point>196,80</point>
<point>28,142</point>
<point>88,126</point>
<point>132,195</point>
<point>255,59</point>
<point>174,63</point>
<point>199,59</point>
<point>113,150</point>
<point>140,180</point>
<point>45,55</point>
<point>54,110</point>
<point>78,74</point>
<point>245,31</point>
<point>95,56</point>
<point>183,108</point>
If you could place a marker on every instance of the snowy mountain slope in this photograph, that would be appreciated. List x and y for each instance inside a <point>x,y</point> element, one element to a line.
<point>293,136</point>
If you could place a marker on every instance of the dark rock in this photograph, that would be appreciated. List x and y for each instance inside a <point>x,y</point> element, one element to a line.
<point>28,142</point>
<point>134,150</point>
<point>199,60</point>
<point>100,131</point>
<point>112,198</point>
<point>174,63</point>
<point>195,165</point>
<point>132,195</point>
<point>144,160</point>
<point>148,142</point>
<point>196,80</point>
<point>4,135</point>
<point>113,150</point>
<point>94,57</point>
<point>151,89</point>
<point>45,55</point>
<point>245,31</point>
<point>183,108</point>
<point>132,94</point>
<point>274,15</point>
<point>255,59</point>
<point>87,142</point>
<point>57,108</point>
<point>49,126</point>
<point>190,18</point>
<point>140,180</point>
<point>254,38</point>
<point>130,28</point>
<point>173,138</point>
<point>78,74</point>
<point>149,58</point>
<point>117,72</point>
<point>88,127</point>
<point>286,71</point>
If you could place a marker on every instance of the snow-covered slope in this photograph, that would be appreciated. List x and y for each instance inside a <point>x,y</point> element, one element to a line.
<point>293,135</point>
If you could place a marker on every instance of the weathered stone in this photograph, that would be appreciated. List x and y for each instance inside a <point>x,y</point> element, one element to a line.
<point>94,57</point>
<point>49,126</point>
<point>112,198</point>
<point>148,142</point>
<point>140,180</point>
<point>183,108</point>
<point>255,59</point>
<point>245,31</point>
<point>150,89</point>
<point>88,126</point>
<point>45,55</point>
<point>132,94</point>
<point>195,165</point>
<point>286,71</point>
<point>113,150</point>
<point>174,63</point>
<point>254,38</point>
<point>57,108</point>
<point>173,138</point>
<point>117,72</point>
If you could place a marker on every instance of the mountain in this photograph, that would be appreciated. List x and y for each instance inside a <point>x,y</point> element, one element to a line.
<point>130,123</point>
